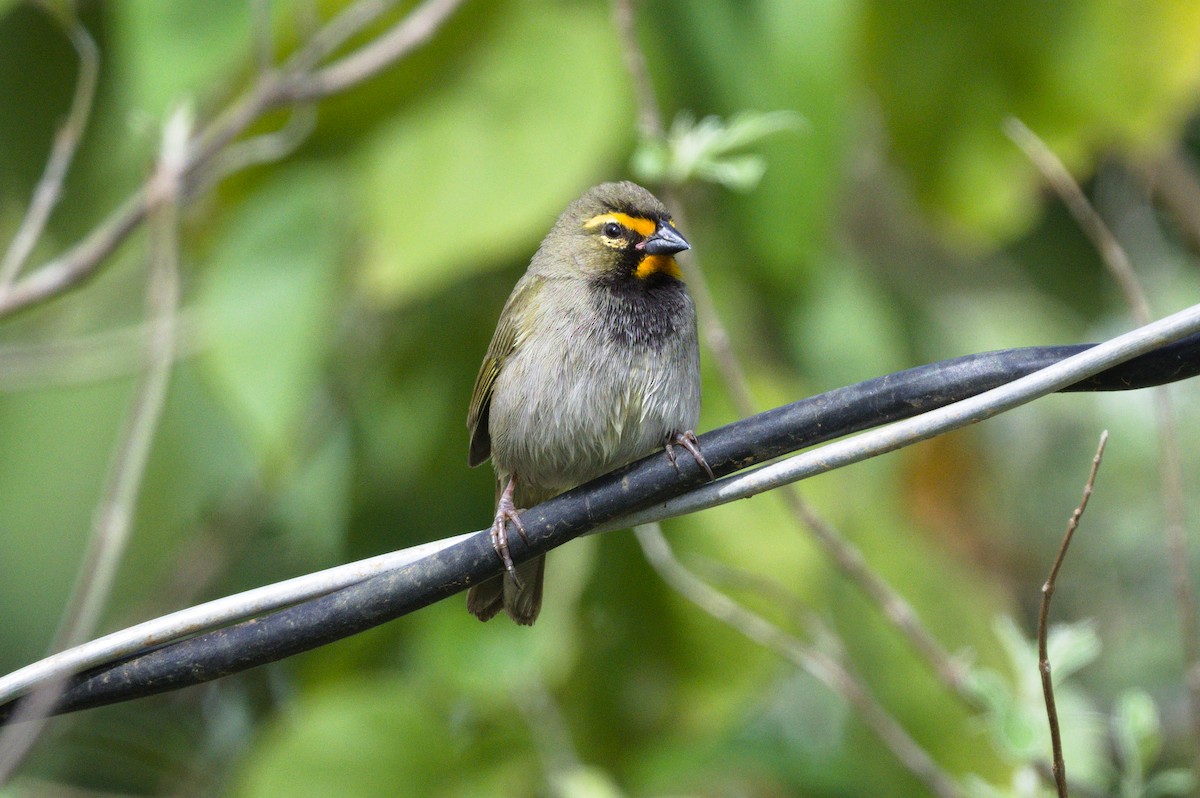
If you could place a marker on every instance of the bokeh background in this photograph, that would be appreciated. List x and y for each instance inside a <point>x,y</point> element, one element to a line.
<point>336,304</point>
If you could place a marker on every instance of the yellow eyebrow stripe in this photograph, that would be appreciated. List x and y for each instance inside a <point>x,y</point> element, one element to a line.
<point>639,224</point>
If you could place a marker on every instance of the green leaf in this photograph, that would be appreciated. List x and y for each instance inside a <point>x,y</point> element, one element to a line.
<point>1137,732</point>
<point>585,782</point>
<point>702,150</point>
<point>1171,782</point>
<point>989,688</point>
<point>1071,647</point>
<point>475,173</point>
<point>1019,734</point>
<point>1022,654</point>
<point>1016,716</point>
<point>268,298</point>
<point>1087,77</point>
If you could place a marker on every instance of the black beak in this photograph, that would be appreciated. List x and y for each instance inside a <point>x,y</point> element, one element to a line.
<point>665,241</point>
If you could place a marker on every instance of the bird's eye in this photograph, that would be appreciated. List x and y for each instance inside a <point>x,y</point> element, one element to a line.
<point>612,230</point>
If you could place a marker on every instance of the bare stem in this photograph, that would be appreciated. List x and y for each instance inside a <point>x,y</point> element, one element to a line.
<point>114,514</point>
<point>549,730</point>
<point>716,337</point>
<point>1068,190</point>
<point>829,670</point>
<point>297,82</point>
<point>1060,771</point>
<point>66,144</point>
<point>899,612</point>
<point>1169,462</point>
<point>1175,181</point>
<point>649,117</point>
<point>402,38</point>
<point>91,358</point>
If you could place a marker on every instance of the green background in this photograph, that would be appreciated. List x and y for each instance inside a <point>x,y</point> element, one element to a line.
<point>337,303</point>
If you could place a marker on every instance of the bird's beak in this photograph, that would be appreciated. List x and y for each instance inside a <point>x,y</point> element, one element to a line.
<point>665,241</point>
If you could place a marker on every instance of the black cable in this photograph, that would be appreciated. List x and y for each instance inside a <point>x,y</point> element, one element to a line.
<point>780,431</point>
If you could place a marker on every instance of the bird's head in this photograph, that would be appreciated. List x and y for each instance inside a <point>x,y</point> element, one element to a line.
<point>615,232</point>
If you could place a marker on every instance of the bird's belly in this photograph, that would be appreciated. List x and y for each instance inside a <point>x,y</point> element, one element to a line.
<point>559,421</point>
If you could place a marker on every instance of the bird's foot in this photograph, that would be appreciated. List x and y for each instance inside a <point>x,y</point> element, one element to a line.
<point>688,441</point>
<point>507,512</point>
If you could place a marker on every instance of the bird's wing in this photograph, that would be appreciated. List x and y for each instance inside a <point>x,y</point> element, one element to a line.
<point>504,342</point>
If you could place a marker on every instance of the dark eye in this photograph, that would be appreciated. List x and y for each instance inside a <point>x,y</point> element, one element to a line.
<point>612,230</point>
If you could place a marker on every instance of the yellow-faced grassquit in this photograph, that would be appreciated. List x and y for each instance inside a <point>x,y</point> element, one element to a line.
<point>594,364</point>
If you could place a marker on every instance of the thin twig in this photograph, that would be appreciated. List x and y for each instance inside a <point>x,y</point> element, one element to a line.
<point>66,144</point>
<point>649,117</point>
<point>548,730</point>
<point>271,90</point>
<point>845,555</point>
<point>345,25</point>
<point>114,513</point>
<point>949,671</point>
<point>831,672</point>
<point>408,34</point>
<point>1060,771</point>
<point>1169,461</point>
<point>90,358</point>
<point>261,149</point>
<point>1175,182</point>
<point>777,593</point>
<point>1111,251</point>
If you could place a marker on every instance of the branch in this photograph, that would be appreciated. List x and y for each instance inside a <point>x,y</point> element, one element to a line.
<point>114,513</point>
<point>365,597</point>
<point>66,143</point>
<point>1169,460</point>
<point>90,358</point>
<point>1111,252</point>
<point>272,90</point>
<point>649,117</point>
<point>407,35</point>
<point>829,670</point>
<point>1060,772</point>
<point>1175,183</point>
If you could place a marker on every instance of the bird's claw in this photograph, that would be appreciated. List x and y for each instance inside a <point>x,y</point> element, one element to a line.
<point>506,511</point>
<point>500,540</point>
<point>688,441</point>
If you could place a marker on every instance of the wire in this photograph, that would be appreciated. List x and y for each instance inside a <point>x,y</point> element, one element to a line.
<point>466,560</point>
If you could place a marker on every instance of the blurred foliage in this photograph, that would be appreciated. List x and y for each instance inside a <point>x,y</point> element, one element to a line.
<point>706,150</point>
<point>337,304</point>
<point>1085,76</point>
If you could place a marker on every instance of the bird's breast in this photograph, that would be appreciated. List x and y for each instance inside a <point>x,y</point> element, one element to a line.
<point>597,381</point>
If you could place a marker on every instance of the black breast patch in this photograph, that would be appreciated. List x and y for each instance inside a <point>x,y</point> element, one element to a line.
<point>643,313</point>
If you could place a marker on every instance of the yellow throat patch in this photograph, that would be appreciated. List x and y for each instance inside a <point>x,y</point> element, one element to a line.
<point>658,264</point>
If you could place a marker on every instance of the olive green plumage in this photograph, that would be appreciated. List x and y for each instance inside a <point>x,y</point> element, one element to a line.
<point>594,364</point>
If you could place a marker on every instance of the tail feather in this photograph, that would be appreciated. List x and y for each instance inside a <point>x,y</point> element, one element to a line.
<point>522,604</point>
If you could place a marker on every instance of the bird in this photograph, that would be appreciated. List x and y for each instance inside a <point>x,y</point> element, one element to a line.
<point>594,363</point>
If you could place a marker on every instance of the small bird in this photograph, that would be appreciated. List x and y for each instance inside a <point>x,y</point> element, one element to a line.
<point>594,364</point>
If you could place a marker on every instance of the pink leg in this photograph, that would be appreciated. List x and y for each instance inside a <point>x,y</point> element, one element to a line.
<point>688,441</point>
<point>506,511</point>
